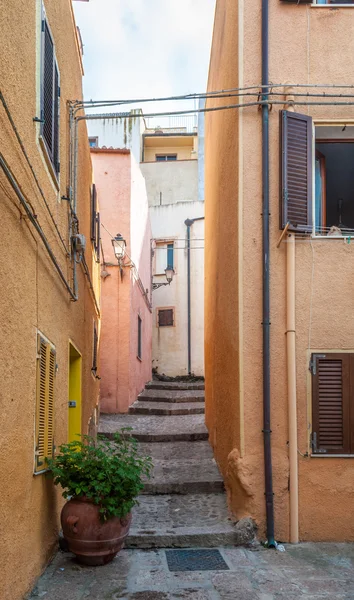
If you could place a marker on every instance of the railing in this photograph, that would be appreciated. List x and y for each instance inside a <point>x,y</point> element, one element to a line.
<point>177,124</point>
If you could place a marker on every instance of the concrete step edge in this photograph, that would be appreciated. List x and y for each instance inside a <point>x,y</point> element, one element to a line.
<point>242,533</point>
<point>163,437</point>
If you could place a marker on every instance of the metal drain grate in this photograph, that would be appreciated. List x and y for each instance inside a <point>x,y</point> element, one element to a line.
<point>195,560</point>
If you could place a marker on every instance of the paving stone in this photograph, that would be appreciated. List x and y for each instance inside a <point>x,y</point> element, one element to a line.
<point>167,408</point>
<point>183,476</point>
<point>144,575</point>
<point>171,396</point>
<point>175,385</point>
<point>156,429</point>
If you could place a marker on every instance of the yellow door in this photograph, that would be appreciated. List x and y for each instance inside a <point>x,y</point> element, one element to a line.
<point>74,394</point>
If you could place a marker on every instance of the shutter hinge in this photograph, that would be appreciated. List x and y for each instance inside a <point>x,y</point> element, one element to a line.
<point>314,445</point>
<point>312,364</point>
<point>43,21</point>
<point>58,91</point>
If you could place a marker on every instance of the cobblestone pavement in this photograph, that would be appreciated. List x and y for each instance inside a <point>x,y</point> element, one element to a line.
<point>311,571</point>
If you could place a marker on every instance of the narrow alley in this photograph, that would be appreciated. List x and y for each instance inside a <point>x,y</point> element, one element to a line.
<point>184,503</point>
<point>182,543</point>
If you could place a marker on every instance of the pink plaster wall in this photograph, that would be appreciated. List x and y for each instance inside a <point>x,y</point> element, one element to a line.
<point>123,209</point>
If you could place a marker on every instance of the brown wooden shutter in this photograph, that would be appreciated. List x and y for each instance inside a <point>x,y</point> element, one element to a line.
<point>48,89</point>
<point>331,403</point>
<point>56,145</point>
<point>165,317</point>
<point>296,171</point>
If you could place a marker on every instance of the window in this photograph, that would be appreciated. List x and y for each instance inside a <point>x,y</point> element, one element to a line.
<point>139,336</point>
<point>164,257</point>
<point>44,427</point>
<point>340,2</point>
<point>334,1</point>
<point>332,403</point>
<point>165,317</point>
<point>95,223</point>
<point>328,171</point>
<point>93,142</point>
<point>50,97</point>
<point>165,157</point>
<point>95,349</point>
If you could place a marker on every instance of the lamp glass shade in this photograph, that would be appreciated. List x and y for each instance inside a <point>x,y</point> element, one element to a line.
<point>169,274</point>
<point>119,245</point>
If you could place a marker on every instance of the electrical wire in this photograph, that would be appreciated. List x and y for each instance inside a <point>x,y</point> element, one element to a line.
<point>213,94</point>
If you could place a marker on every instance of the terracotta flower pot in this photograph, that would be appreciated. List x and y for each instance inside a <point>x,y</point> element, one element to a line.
<point>94,542</point>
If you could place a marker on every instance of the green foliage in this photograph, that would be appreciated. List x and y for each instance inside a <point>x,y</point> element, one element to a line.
<point>107,472</point>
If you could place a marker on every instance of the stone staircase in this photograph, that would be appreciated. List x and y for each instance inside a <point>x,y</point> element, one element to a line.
<point>184,503</point>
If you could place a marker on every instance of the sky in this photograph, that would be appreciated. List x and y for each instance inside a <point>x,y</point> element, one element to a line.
<point>145,48</point>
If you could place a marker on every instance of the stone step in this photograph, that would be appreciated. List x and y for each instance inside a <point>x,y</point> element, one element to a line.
<point>174,385</point>
<point>184,476</point>
<point>146,428</point>
<point>171,396</point>
<point>177,450</point>
<point>166,408</point>
<point>195,520</point>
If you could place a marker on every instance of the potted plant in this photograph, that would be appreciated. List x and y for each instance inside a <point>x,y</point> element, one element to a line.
<point>101,480</point>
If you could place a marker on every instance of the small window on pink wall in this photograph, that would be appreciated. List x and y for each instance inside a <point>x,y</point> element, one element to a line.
<point>165,317</point>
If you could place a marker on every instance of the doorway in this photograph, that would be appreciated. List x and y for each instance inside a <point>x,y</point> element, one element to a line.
<point>74,403</point>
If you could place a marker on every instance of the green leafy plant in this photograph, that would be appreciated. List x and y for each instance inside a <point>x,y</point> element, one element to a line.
<point>108,472</point>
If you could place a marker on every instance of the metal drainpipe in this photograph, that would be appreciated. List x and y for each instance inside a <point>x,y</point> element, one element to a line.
<point>266,292</point>
<point>189,223</point>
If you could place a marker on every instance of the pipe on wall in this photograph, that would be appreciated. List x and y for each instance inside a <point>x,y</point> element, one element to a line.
<point>291,372</point>
<point>189,223</point>
<point>268,471</point>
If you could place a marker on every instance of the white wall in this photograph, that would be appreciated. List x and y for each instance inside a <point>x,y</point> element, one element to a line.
<point>119,132</point>
<point>170,344</point>
<point>171,182</point>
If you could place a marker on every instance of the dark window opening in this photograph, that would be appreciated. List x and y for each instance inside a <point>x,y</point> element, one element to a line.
<point>95,223</point>
<point>165,157</point>
<point>93,142</point>
<point>50,98</point>
<point>165,317</point>
<point>139,337</point>
<point>170,257</point>
<point>95,349</point>
<point>334,181</point>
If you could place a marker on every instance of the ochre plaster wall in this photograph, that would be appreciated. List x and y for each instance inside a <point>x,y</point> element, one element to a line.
<point>183,152</point>
<point>299,36</point>
<point>123,209</point>
<point>33,298</point>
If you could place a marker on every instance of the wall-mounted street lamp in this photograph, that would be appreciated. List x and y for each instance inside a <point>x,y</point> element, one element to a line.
<point>119,244</point>
<point>169,272</point>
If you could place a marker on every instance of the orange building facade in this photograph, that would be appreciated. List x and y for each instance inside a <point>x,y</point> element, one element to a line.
<point>311,267</point>
<point>50,312</point>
